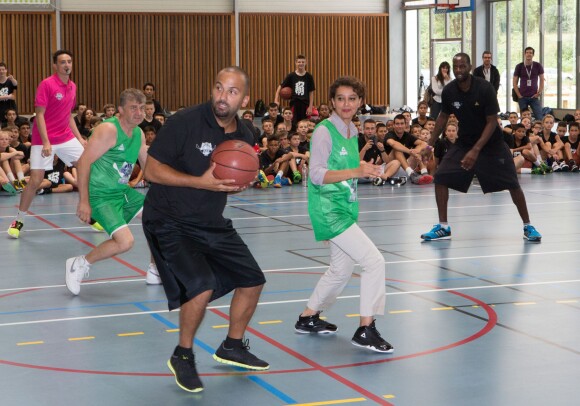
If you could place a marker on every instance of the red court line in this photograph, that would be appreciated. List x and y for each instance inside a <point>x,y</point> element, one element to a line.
<point>313,364</point>
<point>18,292</point>
<point>53,225</point>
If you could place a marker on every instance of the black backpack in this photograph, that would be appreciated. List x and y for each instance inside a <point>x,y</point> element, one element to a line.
<point>259,108</point>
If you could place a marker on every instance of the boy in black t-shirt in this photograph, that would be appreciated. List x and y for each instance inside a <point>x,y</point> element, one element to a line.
<point>300,155</point>
<point>274,161</point>
<point>302,84</point>
<point>571,146</point>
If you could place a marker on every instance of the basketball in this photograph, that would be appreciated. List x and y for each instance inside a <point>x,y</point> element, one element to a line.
<point>236,160</point>
<point>286,93</point>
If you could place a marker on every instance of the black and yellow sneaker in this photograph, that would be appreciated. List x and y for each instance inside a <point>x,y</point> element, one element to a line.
<point>23,183</point>
<point>17,186</point>
<point>240,357</point>
<point>14,229</point>
<point>186,377</point>
<point>369,337</point>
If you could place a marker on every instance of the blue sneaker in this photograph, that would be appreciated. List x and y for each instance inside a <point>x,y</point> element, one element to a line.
<point>437,233</point>
<point>277,181</point>
<point>531,234</point>
<point>286,182</point>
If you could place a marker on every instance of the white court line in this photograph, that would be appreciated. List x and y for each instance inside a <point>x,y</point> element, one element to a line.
<point>306,214</point>
<point>406,261</point>
<point>278,302</point>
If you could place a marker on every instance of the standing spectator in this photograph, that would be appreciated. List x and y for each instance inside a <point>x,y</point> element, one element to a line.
<point>8,86</point>
<point>54,132</point>
<point>438,82</point>
<point>487,71</point>
<point>333,208</point>
<point>530,76</point>
<point>80,109</point>
<point>199,254</point>
<point>302,84</point>
<point>149,90</point>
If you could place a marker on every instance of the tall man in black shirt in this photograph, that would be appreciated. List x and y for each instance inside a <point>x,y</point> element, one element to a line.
<point>480,149</point>
<point>200,255</point>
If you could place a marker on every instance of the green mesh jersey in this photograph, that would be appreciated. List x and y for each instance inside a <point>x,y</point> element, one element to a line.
<point>111,172</point>
<point>333,207</point>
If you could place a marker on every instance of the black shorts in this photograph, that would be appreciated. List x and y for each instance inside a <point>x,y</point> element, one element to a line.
<point>494,168</point>
<point>194,259</point>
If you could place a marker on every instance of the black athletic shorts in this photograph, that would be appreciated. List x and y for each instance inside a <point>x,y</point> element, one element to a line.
<point>194,259</point>
<point>494,168</point>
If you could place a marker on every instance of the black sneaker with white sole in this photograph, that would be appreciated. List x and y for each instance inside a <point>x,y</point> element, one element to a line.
<point>186,377</point>
<point>369,337</point>
<point>313,324</point>
<point>240,357</point>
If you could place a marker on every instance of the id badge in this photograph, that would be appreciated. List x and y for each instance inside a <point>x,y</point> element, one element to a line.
<point>352,183</point>
<point>529,82</point>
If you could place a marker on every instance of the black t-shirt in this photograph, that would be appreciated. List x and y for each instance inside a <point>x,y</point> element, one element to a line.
<point>301,86</point>
<point>301,150</point>
<point>56,175</point>
<point>158,108</point>
<point>25,150</point>
<point>406,139</point>
<point>472,109</point>
<point>573,145</point>
<point>6,88</point>
<point>551,138</point>
<point>512,143</point>
<point>266,160</point>
<point>372,153</point>
<point>153,123</point>
<point>185,143</point>
<point>416,121</point>
<point>441,147</point>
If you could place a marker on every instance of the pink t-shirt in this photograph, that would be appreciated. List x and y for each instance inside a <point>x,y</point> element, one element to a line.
<point>59,101</point>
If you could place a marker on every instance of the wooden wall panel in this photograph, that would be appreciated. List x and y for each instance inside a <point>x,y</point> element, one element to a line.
<point>25,46</point>
<point>335,45</point>
<point>179,53</point>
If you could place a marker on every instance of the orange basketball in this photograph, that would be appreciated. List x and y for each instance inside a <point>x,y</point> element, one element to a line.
<point>286,93</point>
<point>236,160</point>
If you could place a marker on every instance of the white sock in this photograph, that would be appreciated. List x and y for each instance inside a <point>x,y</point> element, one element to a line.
<point>444,225</point>
<point>280,173</point>
<point>538,161</point>
<point>424,171</point>
<point>526,170</point>
<point>20,175</point>
<point>409,171</point>
<point>10,176</point>
<point>84,258</point>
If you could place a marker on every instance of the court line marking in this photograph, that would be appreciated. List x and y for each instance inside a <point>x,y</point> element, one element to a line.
<point>277,302</point>
<point>305,268</point>
<point>81,338</point>
<point>31,343</point>
<point>332,402</point>
<point>510,204</point>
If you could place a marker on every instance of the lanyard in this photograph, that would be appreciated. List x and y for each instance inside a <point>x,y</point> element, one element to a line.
<point>529,72</point>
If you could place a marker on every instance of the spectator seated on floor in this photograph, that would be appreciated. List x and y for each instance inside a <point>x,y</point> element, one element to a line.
<point>10,160</point>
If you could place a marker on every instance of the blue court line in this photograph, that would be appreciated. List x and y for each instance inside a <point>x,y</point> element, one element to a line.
<point>51,309</point>
<point>257,380</point>
<point>269,205</point>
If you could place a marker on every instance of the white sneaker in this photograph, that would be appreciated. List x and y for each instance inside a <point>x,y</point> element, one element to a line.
<point>153,275</point>
<point>76,269</point>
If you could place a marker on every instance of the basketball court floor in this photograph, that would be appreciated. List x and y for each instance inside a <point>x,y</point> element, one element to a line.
<point>486,318</point>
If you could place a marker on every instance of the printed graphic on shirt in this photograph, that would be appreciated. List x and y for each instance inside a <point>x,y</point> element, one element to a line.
<point>124,173</point>
<point>206,148</point>
<point>299,88</point>
<point>4,91</point>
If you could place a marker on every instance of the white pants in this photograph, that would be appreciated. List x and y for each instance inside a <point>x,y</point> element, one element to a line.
<point>346,249</point>
<point>69,152</point>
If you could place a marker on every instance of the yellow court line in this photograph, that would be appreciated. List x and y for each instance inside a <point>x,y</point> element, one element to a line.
<point>221,326</point>
<point>566,301</point>
<point>353,315</point>
<point>524,303</point>
<point>173,330</point>
<point>136,333</point>
<point>442,308</point>
<point>323,318</point>
<point>81,338</point>
<point>400,311</point>
<point>389,396</point>
<point>31,343</point>
<point>332,402</point>
<point>270,322</point>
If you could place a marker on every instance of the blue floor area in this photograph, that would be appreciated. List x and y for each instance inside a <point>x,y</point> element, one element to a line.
<point>485,318</point>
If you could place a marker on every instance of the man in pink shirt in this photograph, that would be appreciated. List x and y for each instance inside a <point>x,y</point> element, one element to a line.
<point>54,131</point>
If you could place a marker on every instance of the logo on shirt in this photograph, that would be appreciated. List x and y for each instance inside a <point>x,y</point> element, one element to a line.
<point>476,104</point>
<point>457,105</point>
<point>343,151</point>
<point>299,88</point>
<point>206,148</point>
<point>124,172</point>
<point>121,147</point>
<point>4,91</point>
<point>59,96</point>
